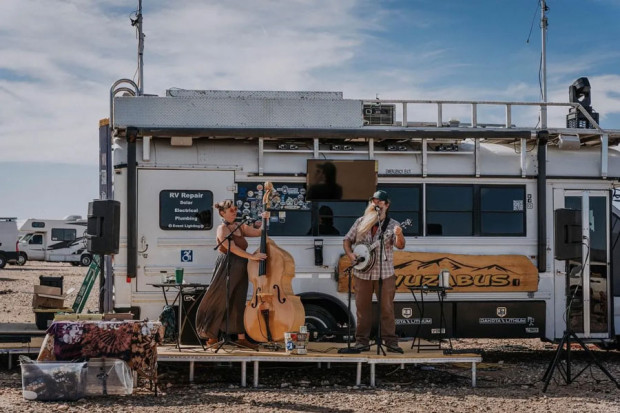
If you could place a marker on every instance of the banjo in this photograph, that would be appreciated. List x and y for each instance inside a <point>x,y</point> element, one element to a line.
<point>367,254</point>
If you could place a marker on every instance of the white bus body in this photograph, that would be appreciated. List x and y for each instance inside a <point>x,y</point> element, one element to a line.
<point>472,190</point>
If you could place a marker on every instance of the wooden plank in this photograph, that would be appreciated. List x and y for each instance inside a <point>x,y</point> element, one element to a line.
<point>468,273</point>
<point>46,290</point>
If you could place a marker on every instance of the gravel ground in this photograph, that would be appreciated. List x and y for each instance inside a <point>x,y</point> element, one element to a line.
<point>509,379</point>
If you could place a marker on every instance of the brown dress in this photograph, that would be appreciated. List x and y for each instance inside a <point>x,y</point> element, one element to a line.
<point>211,313</point>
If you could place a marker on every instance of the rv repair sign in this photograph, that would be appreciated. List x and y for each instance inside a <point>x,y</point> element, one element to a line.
<point>179,209</point>
<point>468,273</point>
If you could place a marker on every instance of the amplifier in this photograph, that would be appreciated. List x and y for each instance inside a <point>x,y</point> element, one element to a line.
<point>190,300</point>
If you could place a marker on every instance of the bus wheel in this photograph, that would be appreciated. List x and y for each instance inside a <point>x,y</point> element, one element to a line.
<point>85,260</point>
<point>21,260</point>
<point>320,322</point>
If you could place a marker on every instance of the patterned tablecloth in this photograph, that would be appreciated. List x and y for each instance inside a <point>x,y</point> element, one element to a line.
<point>132,341</point>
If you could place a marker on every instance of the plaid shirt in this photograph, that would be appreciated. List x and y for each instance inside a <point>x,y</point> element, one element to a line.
<point>387,264</point>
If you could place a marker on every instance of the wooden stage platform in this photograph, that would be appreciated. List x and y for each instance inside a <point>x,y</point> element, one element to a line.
<point>317,353</point>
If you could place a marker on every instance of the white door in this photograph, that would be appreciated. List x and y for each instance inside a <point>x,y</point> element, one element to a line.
<point>170,233</point>
<point>36,247</point>
<point>583,300</point>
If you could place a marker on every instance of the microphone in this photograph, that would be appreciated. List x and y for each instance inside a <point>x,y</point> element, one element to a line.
<point>377,208</point>
<point>248,219</point>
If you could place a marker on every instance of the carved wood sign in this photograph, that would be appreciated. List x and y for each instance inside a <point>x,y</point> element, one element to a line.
<point>468,273</point>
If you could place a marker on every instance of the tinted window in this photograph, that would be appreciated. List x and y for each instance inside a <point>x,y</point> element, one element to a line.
<point>449,210</point>
<point>38,224</point>
<point>449,198</point>
<point>335,218</point>
<point>293,223</point>
<point>406,204</point>
<point>60,234</point>
<point>502,210</point>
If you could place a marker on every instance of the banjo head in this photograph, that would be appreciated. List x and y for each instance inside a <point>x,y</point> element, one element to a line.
<point>366,257</point>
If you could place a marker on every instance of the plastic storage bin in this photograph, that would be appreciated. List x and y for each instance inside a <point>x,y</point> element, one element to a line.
<point>51,281</point>
<point>53,380</point>
<point>108,376</point>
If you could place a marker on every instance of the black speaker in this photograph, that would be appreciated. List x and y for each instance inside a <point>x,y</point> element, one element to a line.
<point>103,226</point>
<point>567,234</point>
<point>190,301</point>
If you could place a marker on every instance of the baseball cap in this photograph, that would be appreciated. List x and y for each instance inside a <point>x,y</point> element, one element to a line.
<point>380,195</point>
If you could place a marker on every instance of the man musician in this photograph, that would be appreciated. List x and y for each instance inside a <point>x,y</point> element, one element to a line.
<point>366,230</point>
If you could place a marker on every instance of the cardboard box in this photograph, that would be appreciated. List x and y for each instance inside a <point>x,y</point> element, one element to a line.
<point>39,301</point>
<point>45,290</point>
<point>76,317</point>
<point>47,297</point>
<point>118,316</point>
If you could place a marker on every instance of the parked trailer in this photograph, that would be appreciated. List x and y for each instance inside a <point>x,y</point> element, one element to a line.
<point>482,199</point>
<point>56,240</point>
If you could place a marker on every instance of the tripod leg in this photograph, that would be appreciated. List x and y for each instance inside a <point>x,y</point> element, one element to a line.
<point>554,363</point>
<point>594,359</point>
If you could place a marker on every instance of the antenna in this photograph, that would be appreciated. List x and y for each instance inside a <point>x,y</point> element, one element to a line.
<point>543,59</point>
<point>138,23</point>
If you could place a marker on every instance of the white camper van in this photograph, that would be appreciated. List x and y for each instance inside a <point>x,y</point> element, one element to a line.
<point>9,250</point>
<point>482,194</point>
<point>55,240</point>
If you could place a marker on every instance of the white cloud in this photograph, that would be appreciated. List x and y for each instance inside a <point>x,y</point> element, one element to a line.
<point>60,58</point>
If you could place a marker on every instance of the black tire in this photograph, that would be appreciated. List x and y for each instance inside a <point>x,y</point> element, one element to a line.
<point>22,259</point>
<point>85,260</point>
<point>2,261</point>
<point>320,322</point>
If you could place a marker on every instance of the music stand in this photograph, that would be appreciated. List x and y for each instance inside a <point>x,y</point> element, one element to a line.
<point>568,337</point>
<point>227,339</point>
<point>349,349</point>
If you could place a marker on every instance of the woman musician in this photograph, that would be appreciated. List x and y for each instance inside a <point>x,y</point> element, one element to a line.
<point>211,313</point>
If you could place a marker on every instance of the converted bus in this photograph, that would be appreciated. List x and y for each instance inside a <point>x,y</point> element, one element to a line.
<point>481,196</point>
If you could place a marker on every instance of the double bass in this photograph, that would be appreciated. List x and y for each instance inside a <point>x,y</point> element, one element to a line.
<point>273,309</point>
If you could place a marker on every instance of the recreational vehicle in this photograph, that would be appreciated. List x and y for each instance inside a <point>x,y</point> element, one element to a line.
<point>9,250</point>
<point>517,218</point>
<point>59,240</point>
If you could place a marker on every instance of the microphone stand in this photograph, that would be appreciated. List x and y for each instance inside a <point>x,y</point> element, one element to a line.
<point>227,339</point>
<point>378,341</point>
<point>349,350</point>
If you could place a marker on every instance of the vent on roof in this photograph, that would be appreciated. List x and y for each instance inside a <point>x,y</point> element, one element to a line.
<point>379,114</point>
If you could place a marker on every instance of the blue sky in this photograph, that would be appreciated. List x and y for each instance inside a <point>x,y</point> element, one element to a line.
<point>59,58</point>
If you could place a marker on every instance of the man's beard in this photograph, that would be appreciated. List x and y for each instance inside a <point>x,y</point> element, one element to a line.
<point>369,219</point>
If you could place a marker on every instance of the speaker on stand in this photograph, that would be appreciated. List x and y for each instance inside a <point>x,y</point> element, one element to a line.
<point>103,226</point>
<point>568,246</point>
<point>568,240</point>
<point>102,238</point>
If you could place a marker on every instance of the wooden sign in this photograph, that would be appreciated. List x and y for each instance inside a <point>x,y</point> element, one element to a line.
<point>468,273</point>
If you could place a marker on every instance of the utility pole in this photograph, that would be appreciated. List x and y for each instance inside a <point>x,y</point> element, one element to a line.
<point>138,23</point>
